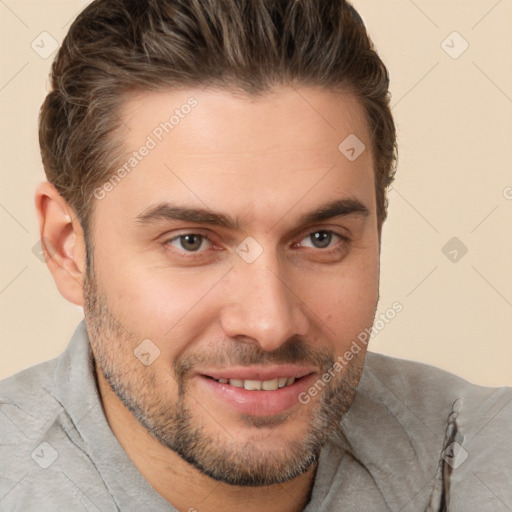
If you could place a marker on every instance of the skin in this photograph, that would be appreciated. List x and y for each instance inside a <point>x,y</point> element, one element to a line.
<point>265,162</point>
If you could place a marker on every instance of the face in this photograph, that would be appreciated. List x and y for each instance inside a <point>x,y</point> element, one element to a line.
<point>232,262</point>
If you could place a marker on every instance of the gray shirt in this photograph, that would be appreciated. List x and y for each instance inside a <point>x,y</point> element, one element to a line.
<point>415,439</point>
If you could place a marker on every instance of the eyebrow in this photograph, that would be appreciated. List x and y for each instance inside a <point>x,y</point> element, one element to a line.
<point>338,208</point>
<point>168,211</point>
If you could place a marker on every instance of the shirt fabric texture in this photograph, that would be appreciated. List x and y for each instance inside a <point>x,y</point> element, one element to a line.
<point>416,438</point>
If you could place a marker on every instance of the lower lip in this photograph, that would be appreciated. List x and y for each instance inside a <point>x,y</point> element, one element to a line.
<point>257,403</point>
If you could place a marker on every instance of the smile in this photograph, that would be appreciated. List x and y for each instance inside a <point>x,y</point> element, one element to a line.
<point>259,385</point>
<point>256,391</point>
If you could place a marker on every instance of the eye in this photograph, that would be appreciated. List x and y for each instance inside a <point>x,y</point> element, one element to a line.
<point>190,242</point>
<point>320,239</point>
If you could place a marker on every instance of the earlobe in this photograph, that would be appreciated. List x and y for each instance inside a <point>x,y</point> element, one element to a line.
<point>62,241</point>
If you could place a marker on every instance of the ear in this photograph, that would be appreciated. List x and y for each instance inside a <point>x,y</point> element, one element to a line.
<point>62,241</point>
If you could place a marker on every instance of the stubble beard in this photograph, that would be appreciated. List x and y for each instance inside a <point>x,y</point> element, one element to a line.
<point>216,454</point>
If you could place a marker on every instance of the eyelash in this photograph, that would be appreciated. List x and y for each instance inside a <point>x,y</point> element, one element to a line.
<point>200,253</point>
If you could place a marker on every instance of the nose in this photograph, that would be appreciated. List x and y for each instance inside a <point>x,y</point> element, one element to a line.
<point>262,307</point>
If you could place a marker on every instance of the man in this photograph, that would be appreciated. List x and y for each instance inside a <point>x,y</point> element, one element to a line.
<point>216,191</point>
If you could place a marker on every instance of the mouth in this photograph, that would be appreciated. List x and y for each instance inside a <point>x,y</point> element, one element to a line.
<point>258,385</point>
<point>256,391</point>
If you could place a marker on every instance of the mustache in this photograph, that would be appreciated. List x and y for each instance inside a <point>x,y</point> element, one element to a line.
<point>238,353</point>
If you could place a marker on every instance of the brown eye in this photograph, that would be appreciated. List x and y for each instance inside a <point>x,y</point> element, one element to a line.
<point>190,242</point>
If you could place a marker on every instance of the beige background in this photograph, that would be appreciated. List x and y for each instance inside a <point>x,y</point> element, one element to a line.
<point>454,118</point>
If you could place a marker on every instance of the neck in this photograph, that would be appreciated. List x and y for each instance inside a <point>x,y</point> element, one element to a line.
<point>185,487</point>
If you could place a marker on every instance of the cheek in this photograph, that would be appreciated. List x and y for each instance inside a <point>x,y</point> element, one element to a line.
<point>344,301</point>
<point>176,307</point>
<point>170,306</point>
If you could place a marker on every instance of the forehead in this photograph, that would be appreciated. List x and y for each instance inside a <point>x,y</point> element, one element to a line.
<point>200,146</point>
<point>315,117</point>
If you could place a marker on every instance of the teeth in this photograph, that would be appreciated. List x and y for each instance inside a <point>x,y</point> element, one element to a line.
<point>237,383</point>
<point>252,385</point>
<point>257,385</point>
<point>270,385</point>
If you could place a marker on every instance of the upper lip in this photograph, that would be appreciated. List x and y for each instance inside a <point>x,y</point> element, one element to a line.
<point>263,373</point>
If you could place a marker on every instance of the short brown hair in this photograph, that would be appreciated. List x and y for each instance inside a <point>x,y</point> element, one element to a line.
<point>118,46</point>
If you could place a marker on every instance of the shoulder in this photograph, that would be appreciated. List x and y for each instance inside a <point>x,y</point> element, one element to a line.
<point>41,450</point>
<point>26,400</point>
<point>411,421</point>
<point>432,392</point>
